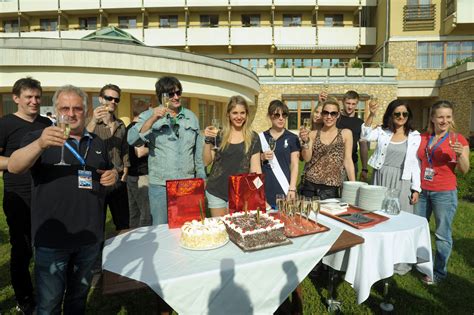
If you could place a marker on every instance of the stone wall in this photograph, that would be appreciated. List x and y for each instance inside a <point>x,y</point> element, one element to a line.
<point>269,92</point>
<point>461,93</point>
<point>402,55</point>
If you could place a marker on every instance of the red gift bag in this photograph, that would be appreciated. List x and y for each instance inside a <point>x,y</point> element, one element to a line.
<point>246,187</point>
<point>183,196</point>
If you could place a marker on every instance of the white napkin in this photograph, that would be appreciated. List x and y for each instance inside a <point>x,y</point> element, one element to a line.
<point>334,208</point>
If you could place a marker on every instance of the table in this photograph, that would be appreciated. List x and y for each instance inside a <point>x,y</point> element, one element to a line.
<point>225,280</point>
<point>404,238</point>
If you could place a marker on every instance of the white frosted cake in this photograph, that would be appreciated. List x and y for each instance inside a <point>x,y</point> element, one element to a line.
<point>196,235</point>
<point>248,234</point>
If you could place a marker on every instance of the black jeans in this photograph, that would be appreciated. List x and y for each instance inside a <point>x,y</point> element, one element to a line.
<point>117,200</point>
<point>309,189</point>
<point>18,214</point>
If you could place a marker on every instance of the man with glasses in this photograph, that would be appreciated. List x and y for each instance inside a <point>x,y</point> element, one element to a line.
<point>175,143</point>
<point>17,188</point>
<point>67,218</point>
<point>113,131</point>
<point>349,120</point>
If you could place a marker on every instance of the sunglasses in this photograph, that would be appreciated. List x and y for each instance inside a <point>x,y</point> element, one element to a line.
<point>278,115</point>
<point>172,94</point>
<point>110,99</point>
<point>332,114</point>
<point>399,114</point>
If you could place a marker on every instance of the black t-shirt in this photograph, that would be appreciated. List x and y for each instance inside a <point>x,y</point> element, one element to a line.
<point>12,131</point>
<point>233,160</point>
<point>64,216</point>
<point>355,125</point>
<point>138,166</point>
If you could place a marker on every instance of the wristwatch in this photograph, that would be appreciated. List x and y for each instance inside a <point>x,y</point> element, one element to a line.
<point>365,170</point>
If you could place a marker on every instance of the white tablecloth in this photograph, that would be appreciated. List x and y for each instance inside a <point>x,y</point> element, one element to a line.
<point>220,281</point>
<point>404,238</point>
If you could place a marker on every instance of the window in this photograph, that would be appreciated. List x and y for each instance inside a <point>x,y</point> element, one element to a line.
<point>209,20</point>
<point>431,55</point>
<point>88,23</point>
<point>291,20</point>
<point>250,20</point>
<point>127,21</point>
<point>48,24</point>
<point>209,110</point>
<point>333,20</point>
<point>299,110</point>
<point>10,26</point>
<point>418,10</point>
<point>168,21</point>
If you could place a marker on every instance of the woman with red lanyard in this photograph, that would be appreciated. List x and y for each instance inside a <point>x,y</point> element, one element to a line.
<point>441,152</point>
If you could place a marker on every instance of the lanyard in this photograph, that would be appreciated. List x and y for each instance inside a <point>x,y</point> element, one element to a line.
<point>430,156</point>
<point>81,159</point>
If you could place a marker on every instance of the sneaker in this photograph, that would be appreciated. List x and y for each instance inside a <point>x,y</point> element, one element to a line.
<point>428,281</point>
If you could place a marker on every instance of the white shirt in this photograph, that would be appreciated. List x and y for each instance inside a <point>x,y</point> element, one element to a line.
<point>411,166</point>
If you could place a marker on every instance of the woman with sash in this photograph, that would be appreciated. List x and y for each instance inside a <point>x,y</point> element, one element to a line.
<point>238,152</point>
<point>327,152</point>
<point>442,151</point>
<point>280,156</point>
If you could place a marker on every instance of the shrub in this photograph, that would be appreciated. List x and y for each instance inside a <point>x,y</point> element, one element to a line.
<point>466,183</point>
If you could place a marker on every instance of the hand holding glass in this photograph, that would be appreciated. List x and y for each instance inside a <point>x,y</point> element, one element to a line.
<point>165,99</point>
<point>453,140</point>
<point>216,123</point>
<point>63,123</point>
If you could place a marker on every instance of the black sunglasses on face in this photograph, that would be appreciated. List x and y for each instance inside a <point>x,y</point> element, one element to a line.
<point>278,115</point>
<point>332,114</point>
<point>110,99</point>
<point>399,114</point>
<point>172,94</point>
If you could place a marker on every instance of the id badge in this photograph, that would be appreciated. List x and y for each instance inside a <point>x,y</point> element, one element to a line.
<point>84,179</point>
<point>429,174</point>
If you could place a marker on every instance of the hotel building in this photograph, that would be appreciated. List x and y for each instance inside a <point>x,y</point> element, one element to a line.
<point>415,50</point>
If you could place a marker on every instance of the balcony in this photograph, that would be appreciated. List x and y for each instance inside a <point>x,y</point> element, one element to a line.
<point>163,3</point>
<point>464,12</point>
<point>295,3</point>
<point>9,6</point>
<point>208,36</point>
<point>295,37</point>
<point>207,3</point>
<point>345,37</point>
<point>121,4</point>
<point>346,3</point>
<point>35,5</point>
<point>165,37</point>
<point>251,3</point>
<point>419,17</point>
<point>251,36</point>
<point>135,32</point>
<point>79,5</point>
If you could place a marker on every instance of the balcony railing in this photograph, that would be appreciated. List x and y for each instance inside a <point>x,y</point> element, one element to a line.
<point>419,17</point>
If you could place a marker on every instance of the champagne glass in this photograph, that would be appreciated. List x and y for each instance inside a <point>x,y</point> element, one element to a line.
<point>165,99</point>
<point>63,123</point>
<point>453,139</point>
<point>316,207</point>
<point>272,144</point>
<point>216,123</point>
<point>280,200</point>
<point>307,123</point>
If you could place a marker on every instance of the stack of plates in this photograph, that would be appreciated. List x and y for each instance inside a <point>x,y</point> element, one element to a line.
<point>371,197</point>
<point>350,192</point>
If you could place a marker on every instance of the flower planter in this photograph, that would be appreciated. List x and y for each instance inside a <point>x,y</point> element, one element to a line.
<point>319,72</point>
<point>355,72</point>
<point>264,72</point>
<point>301,72</point>
<point>284,72</point>
<point>390,72</point>
<point>373,72</point>
<point>337,72</point>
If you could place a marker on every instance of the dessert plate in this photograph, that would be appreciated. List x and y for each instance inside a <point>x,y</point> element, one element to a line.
<point>206,248</point>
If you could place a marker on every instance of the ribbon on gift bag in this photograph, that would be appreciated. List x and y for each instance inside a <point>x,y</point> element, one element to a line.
<point>246,187</point>
<point>183,196</point>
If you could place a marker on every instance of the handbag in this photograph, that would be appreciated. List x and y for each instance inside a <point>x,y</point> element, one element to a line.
<point>246,188</point>
<point>183,198</point>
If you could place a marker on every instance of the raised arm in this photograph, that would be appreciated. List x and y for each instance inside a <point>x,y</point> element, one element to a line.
<point>308,138</point>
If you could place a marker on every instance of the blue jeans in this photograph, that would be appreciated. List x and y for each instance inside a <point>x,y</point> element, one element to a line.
<point>443,204</point>
<point>158,205</point>
<point>64,274</point>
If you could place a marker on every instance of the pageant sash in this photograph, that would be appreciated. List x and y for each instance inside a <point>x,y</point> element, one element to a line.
<point>276,168</point>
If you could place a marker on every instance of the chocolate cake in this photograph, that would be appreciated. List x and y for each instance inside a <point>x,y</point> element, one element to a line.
<point>248,234</point>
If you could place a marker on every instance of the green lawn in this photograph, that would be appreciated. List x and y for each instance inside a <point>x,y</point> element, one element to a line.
<point>408,293</point>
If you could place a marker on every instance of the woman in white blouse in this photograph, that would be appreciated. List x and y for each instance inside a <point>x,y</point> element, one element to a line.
<point>395,159</point>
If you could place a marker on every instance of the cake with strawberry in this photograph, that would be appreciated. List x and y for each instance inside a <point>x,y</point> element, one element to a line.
<point>253,230</point>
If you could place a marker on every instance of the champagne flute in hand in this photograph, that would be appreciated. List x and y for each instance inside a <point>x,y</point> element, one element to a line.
<point>307,123</point>
<point>216,123</point>
<point>165,99</point>
<point>453,140</point>
<point>63,123</point>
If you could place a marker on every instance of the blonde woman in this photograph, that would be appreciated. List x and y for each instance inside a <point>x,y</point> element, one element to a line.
<point>238,152</point>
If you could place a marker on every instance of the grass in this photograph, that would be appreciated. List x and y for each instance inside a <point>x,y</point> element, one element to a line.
<point>408,294</point>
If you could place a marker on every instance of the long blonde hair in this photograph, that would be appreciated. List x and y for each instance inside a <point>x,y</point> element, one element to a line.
<point>246,128</point>
<point>434,108</point>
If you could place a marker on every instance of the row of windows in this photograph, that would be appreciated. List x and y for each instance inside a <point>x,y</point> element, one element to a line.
<point>171,21</point>
<point>439,55</point>
<point>254,63</point>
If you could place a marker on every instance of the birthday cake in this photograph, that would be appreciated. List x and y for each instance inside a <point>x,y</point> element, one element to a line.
<point>211,233</point>
<point>252,231</point>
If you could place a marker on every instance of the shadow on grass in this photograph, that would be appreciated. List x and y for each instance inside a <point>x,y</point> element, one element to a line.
<point>465,248</point>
